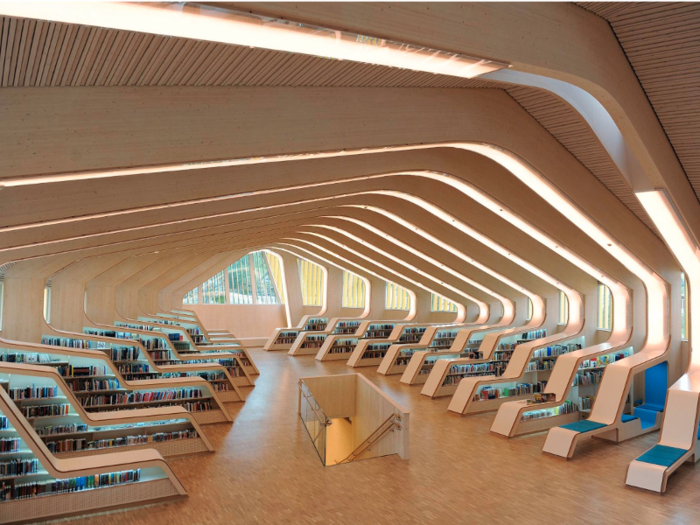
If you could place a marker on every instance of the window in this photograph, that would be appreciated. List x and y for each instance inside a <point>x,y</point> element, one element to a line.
<point>2,292</point>
<point>684,308</point>
<point>311,276</point>
<point>529,309</point>
<point>563,308</point>
<point>191,297</point>
<point>440,304</point>
<point>264,285</point>
<point>234,285</point>
<point>47,304</point>
<point>214,290</point>
<point>275,269</point>
<point>604,307</point>
<point>353,291</point>
<point>397,297</point>
<point>240,287</point>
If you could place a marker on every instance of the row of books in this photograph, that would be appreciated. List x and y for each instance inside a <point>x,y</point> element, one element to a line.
<point>521,389</point>
<point>9,444</point>
<point>125,354</point>
<point>588,378</point>
<point>374,354</point>
<point>134,368</point>
<point>24,357</point>
<point>567,408</point>
<point>78,371</point>
<point>89,385</point>
<point>341,349</point>
<point>33,392</point>
<point>540,366</point>
<point>55,430</point>
<point>72,343</point>
<point>18,467</point>
<point>142,397</point>
<point>46,410</point>
<point>134,326</point>
<point>378,333</point>
<point>76,445</point>
<point>190,406</point>
<point>533,334</point>
<point>315,325</point>
<point>586,402</point>
<point>160,355</point>
<point>285,340</point>
<point>313,341</point>
<point>346,327</point>
<point>603,360</point>
<point>457,372</point>
<point>153,344</point>
<point>4,423</point>
<point>9,491</point>
<point>556,350</point>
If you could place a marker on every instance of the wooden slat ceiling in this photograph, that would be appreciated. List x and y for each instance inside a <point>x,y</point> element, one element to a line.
<point>44,54</point>
<point>662,42</point>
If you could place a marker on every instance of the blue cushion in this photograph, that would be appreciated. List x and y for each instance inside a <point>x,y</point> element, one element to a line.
<point>626,418</point>
<point>647,415</point>
<point>583,426</point>
<point>662,455</point>
<point>651,406</point>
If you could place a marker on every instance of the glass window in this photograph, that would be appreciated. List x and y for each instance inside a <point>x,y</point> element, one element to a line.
<point>214,290</point>
<point>275,268</point>
<point>397,297</point>
<point>47,304</point>
<point>604,307</point>
<point>264,285</point>
<point>2,295</point>
<point>563,308</point>
<point>684,308</point>
<point>311,276</point>
<point>529,309</point>
<point>240,287</point>
<point>353,291</point>
<point>440,304</point>
<point>191,297</point>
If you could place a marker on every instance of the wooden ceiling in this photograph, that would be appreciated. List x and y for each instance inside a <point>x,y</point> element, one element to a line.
<point>660,40</point>
<point>662,43</point>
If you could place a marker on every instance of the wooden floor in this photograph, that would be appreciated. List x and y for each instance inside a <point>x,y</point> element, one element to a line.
<point>265,470</point>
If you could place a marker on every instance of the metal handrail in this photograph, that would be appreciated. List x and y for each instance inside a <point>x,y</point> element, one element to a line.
<point>322,418</point>
<point>393,420</point>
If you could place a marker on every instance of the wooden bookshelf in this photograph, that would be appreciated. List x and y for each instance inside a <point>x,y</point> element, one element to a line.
<point>374,343</point>
<point>434,339</point>
<point>162,356</point>
<point>124,478</point>
<point>193,393</point>
<point>310,343</point>
<point>569,367</point>
<point>526,373</point>
<point>490,358</point>
<point>284,338</point>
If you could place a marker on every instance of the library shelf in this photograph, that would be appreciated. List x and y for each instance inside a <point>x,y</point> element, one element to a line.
<point>171,430</point>
<point>560,385</point>
<point>160,354</point>
<point>374,342</point>
<point>482,394</point>
<point>283,338</point>
<point>434,339</point>
<point>210,408</point>
<point>50,487</point>
<point>607,419</point>
<point>489,357</point>
<point>464,344</point>
<point>309,343</point>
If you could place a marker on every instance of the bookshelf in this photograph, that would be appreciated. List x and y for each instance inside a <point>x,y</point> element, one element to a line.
<point>572,377</point>
<point>309,343</point>
<point>465,344</point>
<point>283,338</point>
<point>35,485</point>
<point>182,339</point>
<point>579,395</point>
<point>160,354</point>
<point>195,334</point>
<point>488,357</point>
<point>527,372</point>
<point>68,430</point>
<point>97,383</point>
<point>434,339</point>
<point>374,342</point>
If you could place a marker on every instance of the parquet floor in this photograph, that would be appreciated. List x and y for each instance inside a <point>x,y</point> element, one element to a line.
<point>265,470</point>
